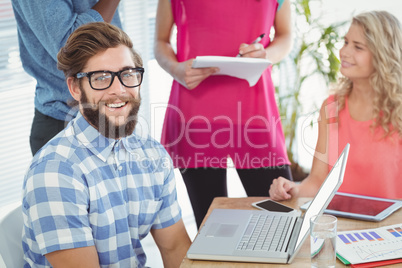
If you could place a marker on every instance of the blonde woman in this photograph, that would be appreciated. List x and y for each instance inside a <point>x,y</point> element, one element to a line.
<point>365,111</point>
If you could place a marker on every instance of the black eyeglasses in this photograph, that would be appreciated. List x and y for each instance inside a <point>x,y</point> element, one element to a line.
<point>100,80</point>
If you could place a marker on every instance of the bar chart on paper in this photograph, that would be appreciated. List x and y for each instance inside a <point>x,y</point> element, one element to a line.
<point>361,246</point>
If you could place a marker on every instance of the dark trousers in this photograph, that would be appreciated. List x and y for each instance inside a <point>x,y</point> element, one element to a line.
<point>204,184</point>
<point>43,129</point>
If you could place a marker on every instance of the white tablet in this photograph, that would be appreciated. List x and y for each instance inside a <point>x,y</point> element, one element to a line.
<point>360,207</point>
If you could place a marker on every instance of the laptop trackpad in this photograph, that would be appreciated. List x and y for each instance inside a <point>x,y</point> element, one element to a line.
<point>221,230</point>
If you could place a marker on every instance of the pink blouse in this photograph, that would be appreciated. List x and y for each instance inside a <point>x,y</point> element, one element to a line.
<point>223,116</point>
<point>374,165</point>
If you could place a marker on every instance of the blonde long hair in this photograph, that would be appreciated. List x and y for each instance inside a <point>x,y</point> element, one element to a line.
<point>383,34</point>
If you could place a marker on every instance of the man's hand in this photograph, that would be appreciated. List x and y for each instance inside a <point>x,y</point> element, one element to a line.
<point>281,189</point>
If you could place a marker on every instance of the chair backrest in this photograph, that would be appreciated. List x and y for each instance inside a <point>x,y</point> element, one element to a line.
<point>11,223</point>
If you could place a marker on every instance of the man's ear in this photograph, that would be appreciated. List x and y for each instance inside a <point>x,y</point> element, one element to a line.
<point>74,88</point>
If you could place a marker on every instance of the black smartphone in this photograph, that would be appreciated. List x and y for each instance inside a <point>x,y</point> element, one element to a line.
<point>272,206</point>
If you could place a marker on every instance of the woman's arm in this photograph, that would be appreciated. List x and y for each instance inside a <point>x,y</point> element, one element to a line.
<point>282,42</point>
<point>319,170</point>
<point>282,189</point>
<point>164,53</point>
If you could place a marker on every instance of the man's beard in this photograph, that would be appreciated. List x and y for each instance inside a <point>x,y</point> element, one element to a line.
<point>103,123</point>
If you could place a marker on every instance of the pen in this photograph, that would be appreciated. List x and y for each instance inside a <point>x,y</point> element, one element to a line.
<point>254,42</point>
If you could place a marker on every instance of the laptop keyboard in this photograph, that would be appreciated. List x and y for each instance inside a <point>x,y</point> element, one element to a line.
<point>265,233</point>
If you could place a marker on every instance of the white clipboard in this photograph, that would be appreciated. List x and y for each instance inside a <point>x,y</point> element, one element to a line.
<point>249,69</point>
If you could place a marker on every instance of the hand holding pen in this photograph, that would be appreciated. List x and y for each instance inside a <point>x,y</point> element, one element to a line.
<point>258,39</point>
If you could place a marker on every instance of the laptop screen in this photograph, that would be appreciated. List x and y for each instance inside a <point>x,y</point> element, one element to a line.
<point>324,195</point>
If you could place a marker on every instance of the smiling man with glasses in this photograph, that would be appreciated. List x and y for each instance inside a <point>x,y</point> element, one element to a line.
<point>97,188</point>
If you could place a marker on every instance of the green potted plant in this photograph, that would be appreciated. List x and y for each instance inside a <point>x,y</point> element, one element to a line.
<point>314,55</point>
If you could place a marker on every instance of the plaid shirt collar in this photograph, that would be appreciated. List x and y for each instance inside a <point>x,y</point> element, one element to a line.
<point>89,137</point>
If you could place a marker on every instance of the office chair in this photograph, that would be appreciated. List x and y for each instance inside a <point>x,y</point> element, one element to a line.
<point>11,223</point>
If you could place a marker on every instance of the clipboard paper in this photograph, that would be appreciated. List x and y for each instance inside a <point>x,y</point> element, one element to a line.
<point>249,69</point>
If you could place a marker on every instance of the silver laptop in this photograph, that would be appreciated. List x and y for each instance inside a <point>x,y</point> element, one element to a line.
<point>262,236</point>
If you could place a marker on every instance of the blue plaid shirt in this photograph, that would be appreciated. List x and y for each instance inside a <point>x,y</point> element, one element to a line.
<point>83,189</point>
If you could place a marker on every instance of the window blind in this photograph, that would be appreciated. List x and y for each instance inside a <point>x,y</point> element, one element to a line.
<point>16,109</point>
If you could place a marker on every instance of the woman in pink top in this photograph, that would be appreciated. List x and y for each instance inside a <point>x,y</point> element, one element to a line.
<point>365,111</point>
<point>211,118</point>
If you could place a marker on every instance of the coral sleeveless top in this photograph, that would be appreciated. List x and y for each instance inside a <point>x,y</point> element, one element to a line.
<point>374,165</point>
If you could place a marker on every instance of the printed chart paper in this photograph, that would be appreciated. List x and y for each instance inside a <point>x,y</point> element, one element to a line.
<point>370,245</point>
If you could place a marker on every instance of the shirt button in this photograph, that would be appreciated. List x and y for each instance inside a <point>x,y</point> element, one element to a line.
<point>120,168</point>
